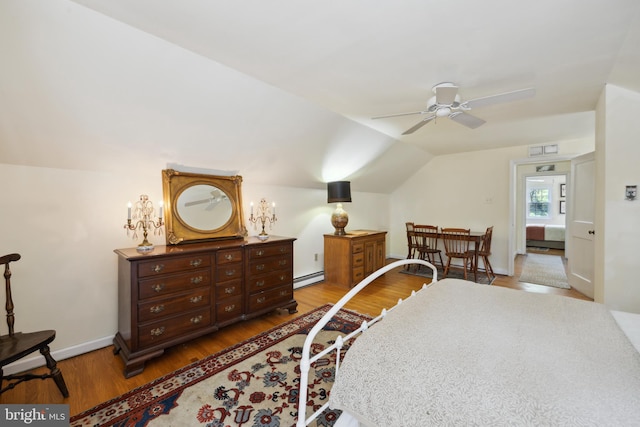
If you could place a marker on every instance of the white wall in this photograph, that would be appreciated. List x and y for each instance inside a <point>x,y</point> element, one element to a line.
<point>469,190</point>
<point>66,224</point>
<point>617,238</point>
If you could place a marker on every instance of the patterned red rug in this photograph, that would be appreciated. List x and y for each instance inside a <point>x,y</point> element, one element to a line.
<point>254,383</point>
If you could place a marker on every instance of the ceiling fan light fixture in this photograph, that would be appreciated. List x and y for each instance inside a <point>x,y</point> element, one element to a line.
<point>443,112</point>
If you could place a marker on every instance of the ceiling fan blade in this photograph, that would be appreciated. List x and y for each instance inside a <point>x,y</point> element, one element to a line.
<point>418,126</point>
<point>500,98</point>
<point>399,114</point>
<point>466,119</point>
<point>446,95</point>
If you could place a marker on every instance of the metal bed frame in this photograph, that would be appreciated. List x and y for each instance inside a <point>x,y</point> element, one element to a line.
<point>307,359</point>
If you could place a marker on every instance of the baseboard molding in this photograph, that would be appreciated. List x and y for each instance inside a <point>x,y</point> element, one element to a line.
<point>37,359</point>
<point>308,279</point>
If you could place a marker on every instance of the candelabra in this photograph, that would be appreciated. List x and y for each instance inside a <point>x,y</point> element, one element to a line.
<point>143,219</point>
<point>265,215</point>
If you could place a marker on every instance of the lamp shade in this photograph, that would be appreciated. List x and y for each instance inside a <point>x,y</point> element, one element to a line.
<point>338,191</point>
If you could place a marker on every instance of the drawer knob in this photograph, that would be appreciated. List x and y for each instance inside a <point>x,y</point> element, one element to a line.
<point>228,257</point>
<point>229,290</point>
<point>230,272</point>
<point>260,267</point>
<point>158,268</point>
<point>260,252</point>
<point>282,262</point>
<point>282,277</point>
<point>260,283</point>
<point>261,300</point>
<point>196,280</point>
<point>196,262</point>
<point>195,300</point>
<point>196,320</point>
<point>158,287</point>
<point>157,308</point>
<point>157,331</point>
<point>283,293</point>
<point>230,308</point>
<point>282,249</point>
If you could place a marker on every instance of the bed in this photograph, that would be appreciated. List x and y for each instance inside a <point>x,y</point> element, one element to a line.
<point>460,353</point>
<point>546,236</point>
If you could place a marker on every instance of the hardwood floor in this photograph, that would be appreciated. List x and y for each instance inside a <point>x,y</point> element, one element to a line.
<point>95,377</point>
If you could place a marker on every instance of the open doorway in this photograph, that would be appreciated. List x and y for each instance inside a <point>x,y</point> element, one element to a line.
<point>559,169</point>
<point>545,208</point>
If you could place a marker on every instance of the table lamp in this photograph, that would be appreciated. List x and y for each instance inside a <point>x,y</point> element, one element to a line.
<point>338,192</point>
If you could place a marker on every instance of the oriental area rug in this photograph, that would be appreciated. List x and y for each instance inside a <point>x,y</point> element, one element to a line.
<point>252,384</point>
<point>545,270</point>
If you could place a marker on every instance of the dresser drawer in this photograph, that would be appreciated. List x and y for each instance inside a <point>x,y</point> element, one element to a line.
<point>163,330</point>
<point>157,309</point>
<point>228,309</point>
<point>172,265</point>
<point>229,256</point>
<point>267,299</point>
<point>263,251</point>
<point>269,281</point>
<point>358,274</point>
<point>270,264</point>
<point>358,259</point>
<point>227,272</point>
<point>357,247</point>
<point>159,286</point>
<point>228,289</point>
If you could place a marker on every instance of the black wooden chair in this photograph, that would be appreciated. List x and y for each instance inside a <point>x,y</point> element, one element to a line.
<point>16,345</point>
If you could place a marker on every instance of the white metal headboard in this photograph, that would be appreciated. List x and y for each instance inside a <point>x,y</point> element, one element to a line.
<point>307,360</point>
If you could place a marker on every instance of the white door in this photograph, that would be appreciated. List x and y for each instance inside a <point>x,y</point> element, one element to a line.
<point>580,224</point>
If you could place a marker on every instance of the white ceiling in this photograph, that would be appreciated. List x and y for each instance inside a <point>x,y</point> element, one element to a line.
<point>283,91</point>
<point>364,58</point>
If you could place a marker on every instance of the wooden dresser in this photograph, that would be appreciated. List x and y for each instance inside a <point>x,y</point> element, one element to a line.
<point>177,293</point>
<point>350,258</point>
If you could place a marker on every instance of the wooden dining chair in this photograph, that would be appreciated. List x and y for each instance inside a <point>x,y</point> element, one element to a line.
<point>16,345</point>
<point>485,252</point>
<point>456,246</point>
<point>411,240</point>
<point>427,243</point>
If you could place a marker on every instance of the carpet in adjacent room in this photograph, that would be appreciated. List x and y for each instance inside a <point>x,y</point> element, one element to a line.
<point>545,270</point>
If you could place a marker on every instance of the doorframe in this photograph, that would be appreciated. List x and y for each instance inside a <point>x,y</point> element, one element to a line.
<point>513,199</point>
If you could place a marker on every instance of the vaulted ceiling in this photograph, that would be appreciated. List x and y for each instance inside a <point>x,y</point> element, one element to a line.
<point>326,68</point>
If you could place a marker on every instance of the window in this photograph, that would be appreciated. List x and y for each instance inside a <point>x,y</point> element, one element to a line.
<point>539,203</point>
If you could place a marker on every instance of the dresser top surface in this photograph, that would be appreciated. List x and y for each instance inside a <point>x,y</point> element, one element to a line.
<point>357,233</point>
<point>187,248</point>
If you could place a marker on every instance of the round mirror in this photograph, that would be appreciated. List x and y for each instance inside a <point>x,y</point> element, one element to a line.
<point>204,207</point>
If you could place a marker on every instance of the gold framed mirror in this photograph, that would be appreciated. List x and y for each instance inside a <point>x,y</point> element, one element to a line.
<point>200,207</point>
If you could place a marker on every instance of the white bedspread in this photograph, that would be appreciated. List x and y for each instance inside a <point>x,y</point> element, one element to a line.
<point>465,354</point>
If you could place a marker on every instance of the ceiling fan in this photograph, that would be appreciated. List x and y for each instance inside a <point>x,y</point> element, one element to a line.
<point>448,103</point>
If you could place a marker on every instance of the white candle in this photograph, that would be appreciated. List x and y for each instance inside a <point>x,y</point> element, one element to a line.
<point>251,208</point>
<point>160,208</point>
<point>129,210</point>
<point>274,208</point>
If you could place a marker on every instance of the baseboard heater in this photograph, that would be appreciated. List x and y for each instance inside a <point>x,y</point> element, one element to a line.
<point>308,279</point>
